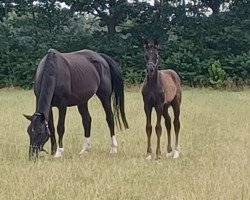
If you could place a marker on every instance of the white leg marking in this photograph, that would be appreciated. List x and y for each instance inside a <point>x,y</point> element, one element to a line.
<point>177,152</point>
<point>169,154</point>
<point>59,152</point>
<point>149,157</point>
<point>86,145</point>
<point>113,145</point>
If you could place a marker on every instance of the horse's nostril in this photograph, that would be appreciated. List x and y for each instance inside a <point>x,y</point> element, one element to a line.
<point>150,70</point>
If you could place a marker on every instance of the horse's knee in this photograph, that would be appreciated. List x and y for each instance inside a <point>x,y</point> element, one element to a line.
<point>148,129</point>
<point>158,129</point>
<point>176,122</point>
<point>168,124</point>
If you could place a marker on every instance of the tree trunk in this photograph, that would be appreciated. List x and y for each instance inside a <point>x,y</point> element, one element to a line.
<point>111,26</point>
<point>214,5</point>
<point>6,8</point>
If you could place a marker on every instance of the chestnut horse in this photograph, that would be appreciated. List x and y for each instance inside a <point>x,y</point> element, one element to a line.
<point>161,89</point>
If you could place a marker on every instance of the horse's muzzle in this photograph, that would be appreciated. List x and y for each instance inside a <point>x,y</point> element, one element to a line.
<point>150,72</point>
<point>33,152</point>
<point>34,149</point>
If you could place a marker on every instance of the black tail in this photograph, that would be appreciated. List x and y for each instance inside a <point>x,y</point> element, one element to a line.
<point>118,88</point>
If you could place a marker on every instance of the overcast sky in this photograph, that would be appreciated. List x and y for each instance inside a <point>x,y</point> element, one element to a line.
<point>150,1</point>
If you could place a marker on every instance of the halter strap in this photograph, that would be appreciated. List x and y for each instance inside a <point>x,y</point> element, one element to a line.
<point>46,123</point>
<point>38,114</point>
<point>154,64</point>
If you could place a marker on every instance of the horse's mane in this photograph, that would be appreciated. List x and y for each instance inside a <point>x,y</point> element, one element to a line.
<point>48,81</point>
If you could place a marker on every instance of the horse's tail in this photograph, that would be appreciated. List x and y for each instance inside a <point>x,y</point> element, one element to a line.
<point>118,89</point>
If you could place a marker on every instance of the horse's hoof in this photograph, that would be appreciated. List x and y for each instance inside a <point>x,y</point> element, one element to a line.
<point>113,145</point>
<point>169,154</point>
<point>149,157</point>
<point>158,158</point>
<point>176,154</point>
<point>113,150</point>
<point>86,146</point>
<point>84,151</point>
<point>59,152</point>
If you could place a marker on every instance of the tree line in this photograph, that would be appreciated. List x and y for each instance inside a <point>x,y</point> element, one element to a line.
<point>206,41</point>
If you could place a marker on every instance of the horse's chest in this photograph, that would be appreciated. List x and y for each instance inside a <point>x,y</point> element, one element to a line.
<point>154,97</point>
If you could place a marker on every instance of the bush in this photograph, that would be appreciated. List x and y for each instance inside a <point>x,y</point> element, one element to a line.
<point>217,75</point>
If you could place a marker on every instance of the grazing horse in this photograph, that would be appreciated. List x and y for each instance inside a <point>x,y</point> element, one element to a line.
<point>161,89</point>
<point>69,79</point>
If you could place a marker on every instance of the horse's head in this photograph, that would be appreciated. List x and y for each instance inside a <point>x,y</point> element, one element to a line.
<point>151,56</point>
<point>39,133</point>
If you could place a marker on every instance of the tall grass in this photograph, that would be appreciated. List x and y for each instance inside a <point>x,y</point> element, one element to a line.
<point>214,161</point>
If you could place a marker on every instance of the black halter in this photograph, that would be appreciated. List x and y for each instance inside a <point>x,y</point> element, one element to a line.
<point>46,123</point>
<point>35,147</point>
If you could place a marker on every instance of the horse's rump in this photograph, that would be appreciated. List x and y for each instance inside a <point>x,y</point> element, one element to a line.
<point>171,83</point>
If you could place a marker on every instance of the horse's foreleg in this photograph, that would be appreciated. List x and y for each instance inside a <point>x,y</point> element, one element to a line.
<point>52,132</point>
<point>148,111</point>
<point>60,130</point>
<point>158,130</point>
<point>86,121</point>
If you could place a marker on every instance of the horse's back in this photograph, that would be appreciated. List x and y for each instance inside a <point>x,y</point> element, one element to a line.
<point>77,74</point>
<point>85,71</point>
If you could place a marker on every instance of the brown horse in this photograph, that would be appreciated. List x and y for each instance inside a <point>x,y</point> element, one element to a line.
<point>161,89</point>
<point>69,79</point>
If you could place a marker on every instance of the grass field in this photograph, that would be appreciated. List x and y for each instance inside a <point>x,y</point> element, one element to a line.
<point>214,161</point>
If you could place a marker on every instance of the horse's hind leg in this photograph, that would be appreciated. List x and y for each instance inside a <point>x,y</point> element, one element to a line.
<point>86,121</point>
<point>61,130</point>
<point>106,103</point>
<point>168,127</point>
<point>176,109</point>
<point>52,132</point>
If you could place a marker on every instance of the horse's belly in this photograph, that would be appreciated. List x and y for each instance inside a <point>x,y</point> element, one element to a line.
<point>83,89</point>
<point>76,99</point>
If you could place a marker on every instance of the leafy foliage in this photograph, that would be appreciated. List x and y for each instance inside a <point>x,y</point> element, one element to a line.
<point>204,49</point>
<point>217,75</point>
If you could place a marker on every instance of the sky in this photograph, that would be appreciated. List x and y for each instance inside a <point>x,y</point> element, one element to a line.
<point>150,1</point>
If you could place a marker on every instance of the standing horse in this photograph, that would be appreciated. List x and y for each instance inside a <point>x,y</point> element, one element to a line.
<point>69,79</point>
<point>161,89</point>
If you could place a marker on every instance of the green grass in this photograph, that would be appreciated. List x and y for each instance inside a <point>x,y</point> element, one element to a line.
<point>214,161</point>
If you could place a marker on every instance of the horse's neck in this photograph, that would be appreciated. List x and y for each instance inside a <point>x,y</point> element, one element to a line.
<point>152,81</point>
<point>47,87</point>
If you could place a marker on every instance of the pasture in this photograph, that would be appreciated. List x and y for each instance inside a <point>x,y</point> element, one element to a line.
<point>214,162</point>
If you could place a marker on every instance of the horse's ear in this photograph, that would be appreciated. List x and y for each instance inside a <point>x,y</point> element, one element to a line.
<point>156,44</point>
<point>28,117</point>
<point>145,44</point>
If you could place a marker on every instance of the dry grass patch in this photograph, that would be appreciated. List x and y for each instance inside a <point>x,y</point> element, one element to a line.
<point>214,161</point>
